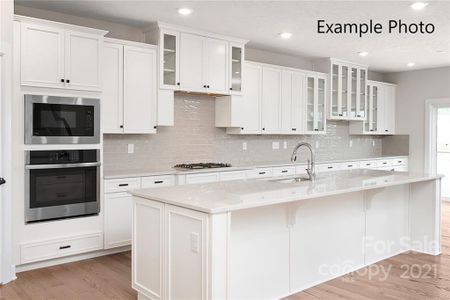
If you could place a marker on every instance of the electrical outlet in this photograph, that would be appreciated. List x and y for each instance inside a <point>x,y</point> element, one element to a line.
<point>275,145</point>
<point>317,144</point>
<point>284,145</point>
<point>350,143</point>
<point>244,146</point>
<point>130,148</point>
<point>195,242</point>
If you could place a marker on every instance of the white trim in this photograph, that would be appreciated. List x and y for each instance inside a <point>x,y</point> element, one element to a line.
<point>431,110</point>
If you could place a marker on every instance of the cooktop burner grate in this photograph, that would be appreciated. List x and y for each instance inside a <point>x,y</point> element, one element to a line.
<point>195,166</point>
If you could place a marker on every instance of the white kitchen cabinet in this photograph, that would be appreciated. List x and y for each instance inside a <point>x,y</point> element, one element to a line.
<point>216,66</point>
<point>186,235</point>
<point>241,114</point>
<point>202,178</point>
<point>271,100</point>
<point>83,60</point>
<point>260,173</point>
<point>117,211</point>
<point>129,88</point>
<point>112,95</point>
<point>236,67</point>
<point>386,222</point>
<point>139,89</point>
<point>232,175</point>
<point>169,48</point>
<point>157,181</point>
<point>347,89</point>
<point>380,110</point>
<point>203,64</point>
<point>59,56</point>
<point>315,104</point>
<point>292,101</point>
<point>283,171</point>
<point>191,63</point>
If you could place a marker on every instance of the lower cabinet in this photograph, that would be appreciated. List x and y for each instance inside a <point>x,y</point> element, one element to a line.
<point>182,235</point>
<point>117,219</point>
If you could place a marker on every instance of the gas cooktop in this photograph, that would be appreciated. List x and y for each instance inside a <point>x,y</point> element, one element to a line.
<point>197,166</point>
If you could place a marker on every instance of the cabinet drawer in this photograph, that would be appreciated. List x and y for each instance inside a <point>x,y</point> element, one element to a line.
<point>399,161</point>
<point>283,171</point>
<point>235,175</point>
<point>368,164</point>
<point>202,178</point>
<point>39,251</point>
<point>328,167</point>
<point>122,185</point>
<point>157,181</point>
<point>350,165</point>
<point>384,163</point>
<point>260,173</point>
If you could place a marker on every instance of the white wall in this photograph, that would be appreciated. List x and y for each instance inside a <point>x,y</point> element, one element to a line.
<point>414,88</point>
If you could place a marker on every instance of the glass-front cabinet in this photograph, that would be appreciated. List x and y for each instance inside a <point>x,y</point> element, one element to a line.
<point>236,69</point>
<point>315,104</point>
<point>371,122</point>
<point>347,91</point>
<point>169,56</point>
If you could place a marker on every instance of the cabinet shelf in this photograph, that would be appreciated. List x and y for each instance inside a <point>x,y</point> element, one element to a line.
<point>169,50</point>
<point>169,70</point>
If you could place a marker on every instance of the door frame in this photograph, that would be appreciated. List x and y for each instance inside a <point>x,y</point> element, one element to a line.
<point>431,116</point>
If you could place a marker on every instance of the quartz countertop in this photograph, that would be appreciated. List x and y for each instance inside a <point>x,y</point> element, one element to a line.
<point>155,172</point>
<point>219,197</point>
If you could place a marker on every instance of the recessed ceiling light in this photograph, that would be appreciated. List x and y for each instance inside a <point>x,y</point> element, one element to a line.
<point>184,11</point>
<point>286,35</point>
<point>411,64</point>
<point>419,5</point>
<point>363,53</point>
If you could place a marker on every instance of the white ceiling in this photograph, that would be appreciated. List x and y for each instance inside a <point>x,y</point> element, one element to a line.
<point>262,21</point>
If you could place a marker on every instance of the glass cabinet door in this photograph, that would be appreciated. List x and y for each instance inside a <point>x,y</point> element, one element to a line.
<point>310,107</point>
<point>344,92</point>
<point>369,115</point>
<point>363,98</point>
<point>334,90</point>
<point>375,117</point>
<point>236,68</point>
<point>320,114</point>
<point>354,96</point>
<point>169,59</point>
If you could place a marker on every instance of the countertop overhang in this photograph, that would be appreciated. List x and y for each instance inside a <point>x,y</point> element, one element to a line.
<point>220,197</point>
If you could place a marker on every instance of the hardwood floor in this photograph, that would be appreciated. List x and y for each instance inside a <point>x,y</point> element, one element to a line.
<point>411,276</point>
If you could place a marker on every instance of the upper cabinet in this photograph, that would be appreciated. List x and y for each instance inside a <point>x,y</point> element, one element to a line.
<point>55,55</point>
<point>129,87</point>
<point>347,97</point>
<point>275,100</point>
<point>195,61</point>
<point>380,110</point>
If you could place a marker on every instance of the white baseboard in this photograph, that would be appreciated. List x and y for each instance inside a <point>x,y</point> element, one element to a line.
<point>68,259</point>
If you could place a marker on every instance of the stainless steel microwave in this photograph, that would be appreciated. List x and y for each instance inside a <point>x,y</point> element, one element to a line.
<point>61,120</point>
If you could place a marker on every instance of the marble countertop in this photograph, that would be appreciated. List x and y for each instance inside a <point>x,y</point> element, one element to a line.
<point>171,171</point>
<point>219,197</point>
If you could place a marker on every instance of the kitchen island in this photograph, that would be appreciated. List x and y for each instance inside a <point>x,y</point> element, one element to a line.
<point>266,239</point>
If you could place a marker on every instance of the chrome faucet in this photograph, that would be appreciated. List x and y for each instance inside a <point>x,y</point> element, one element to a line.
<point>311,163</point>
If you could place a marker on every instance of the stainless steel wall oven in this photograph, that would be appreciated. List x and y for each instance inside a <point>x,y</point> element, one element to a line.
<point>61,120</point>
<point>61,184</point>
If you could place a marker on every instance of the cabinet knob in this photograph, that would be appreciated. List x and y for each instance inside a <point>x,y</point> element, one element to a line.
<point>242,128</point>
<point>264,128</point>
<point>62,80</point>
<point>231,88</point>
<point>204,86</point>
<point>178,83</point>
<point>121,126</point>
<point>154,127</point>
<point>207,86</point>
<point>67,81</point>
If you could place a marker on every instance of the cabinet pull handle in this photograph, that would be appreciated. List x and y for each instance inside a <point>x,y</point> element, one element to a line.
<point>67,81</point>
<point>262,173</point>
<point>284,171</point>
<point>123,184</point>
<point>330,167</point>
<point>350,166</point>
<point>384,163</point>
<point>294,129</point>
<point>316,129</point>
<point>158,181</point>
<point>386,130</point>
<point>340,115</point>
<point>367,164</point>
<point>64,247</point>
<point>62,80</point>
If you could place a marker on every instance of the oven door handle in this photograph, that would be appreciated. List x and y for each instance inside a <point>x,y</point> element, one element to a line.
<point>62,166</point>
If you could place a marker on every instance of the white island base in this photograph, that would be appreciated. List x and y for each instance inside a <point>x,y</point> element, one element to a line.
<point>266,240</point>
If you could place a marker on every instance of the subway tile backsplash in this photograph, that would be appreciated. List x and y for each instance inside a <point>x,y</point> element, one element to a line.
<point>194,138</point>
